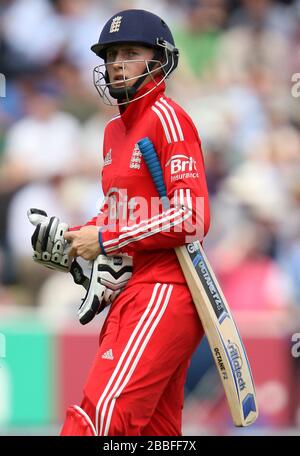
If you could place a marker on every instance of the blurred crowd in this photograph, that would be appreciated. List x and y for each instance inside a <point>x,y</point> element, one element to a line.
<point>235,78</point>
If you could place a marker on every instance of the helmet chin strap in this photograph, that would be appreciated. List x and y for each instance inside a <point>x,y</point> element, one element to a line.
<point>127,93</point>
<point>123,93</point>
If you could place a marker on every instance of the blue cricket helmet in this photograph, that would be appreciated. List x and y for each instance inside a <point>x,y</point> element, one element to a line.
<point>135,26</point>
<point>143,28</point>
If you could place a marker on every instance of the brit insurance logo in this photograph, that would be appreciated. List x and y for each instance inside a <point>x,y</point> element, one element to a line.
<point>182,167</point>
<point>115,24</point>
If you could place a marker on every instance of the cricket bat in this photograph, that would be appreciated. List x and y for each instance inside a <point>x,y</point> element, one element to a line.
<point>225,342</point>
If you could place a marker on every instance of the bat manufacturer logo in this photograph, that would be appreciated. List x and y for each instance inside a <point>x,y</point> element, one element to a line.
<point>236,363</point>
<point>118,261</point>
<point>220,363</point>
<point>182,167</point>
<point>192,247</point>
<point>211,285</point>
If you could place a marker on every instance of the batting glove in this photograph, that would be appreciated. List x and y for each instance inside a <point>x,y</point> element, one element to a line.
<point>104,278</point>
<point>109,275</point>
<point>49,246</point>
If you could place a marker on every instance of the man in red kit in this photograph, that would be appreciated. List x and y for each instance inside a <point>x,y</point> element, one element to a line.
<point>136,383</point>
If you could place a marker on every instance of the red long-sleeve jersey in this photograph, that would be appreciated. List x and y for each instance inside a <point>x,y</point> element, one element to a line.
<point>132,220</point>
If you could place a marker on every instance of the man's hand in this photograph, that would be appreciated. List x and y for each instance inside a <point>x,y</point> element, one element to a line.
<point>84,242</point>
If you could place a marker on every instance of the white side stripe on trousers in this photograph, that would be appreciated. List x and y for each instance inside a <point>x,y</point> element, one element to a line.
<point>129,343</point>
<point>86,417</point>
<point>132,352</point>
<point>137,358</point>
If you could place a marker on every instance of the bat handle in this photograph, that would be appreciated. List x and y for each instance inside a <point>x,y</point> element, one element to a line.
<point>152,161</point>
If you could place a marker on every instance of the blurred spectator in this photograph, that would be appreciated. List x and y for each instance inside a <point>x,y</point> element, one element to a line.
<point>216,167</point>
<point>41,148</point>
<point>251,279</point>
<point>263,14</point>
<point>81,19</point>
<point>43,144</point>
<point>32,31</point>
<point>77,97</point>
<point>198,39</point>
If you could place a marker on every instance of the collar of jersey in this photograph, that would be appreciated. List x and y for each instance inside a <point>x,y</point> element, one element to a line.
<point>134,111</point>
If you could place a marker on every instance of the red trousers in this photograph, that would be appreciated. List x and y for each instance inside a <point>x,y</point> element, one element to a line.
<point>136,383</point>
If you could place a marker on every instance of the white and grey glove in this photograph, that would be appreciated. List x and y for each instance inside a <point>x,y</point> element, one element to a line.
<point>109,275</point>
<point>104,278</point>
<point>48,243</point>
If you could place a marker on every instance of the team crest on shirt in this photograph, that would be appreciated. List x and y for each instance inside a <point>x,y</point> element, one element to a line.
<point>107,158</point>
<point>136,158</point>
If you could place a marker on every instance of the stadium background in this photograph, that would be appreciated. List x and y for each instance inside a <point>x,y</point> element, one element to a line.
<point>237,77</point>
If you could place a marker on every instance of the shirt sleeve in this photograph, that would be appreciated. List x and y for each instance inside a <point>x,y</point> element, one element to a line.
<point>179,150</point>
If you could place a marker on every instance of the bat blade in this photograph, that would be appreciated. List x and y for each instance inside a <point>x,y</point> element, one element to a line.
<point>222,334</point>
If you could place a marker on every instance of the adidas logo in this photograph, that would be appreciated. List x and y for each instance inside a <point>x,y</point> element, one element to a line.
<point>108,354</point>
